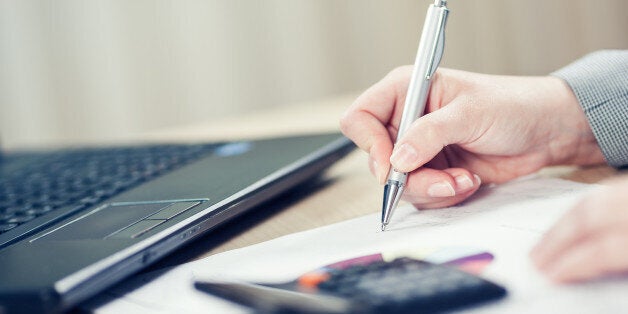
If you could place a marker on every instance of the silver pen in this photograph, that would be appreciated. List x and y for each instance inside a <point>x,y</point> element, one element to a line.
<point>428,57</point>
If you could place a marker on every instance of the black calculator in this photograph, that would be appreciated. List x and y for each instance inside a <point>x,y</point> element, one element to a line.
<point>407,285</point>
<point>403,285</point>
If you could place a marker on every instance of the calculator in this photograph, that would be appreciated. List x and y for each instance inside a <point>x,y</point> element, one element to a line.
<point>403,285</point>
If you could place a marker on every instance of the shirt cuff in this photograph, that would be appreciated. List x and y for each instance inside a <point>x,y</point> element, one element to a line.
<point>600,82</point>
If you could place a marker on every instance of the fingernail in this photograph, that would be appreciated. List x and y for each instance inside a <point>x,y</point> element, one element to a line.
<point>477,179</point>
<point>463,183</point>
<point>379,174</point>
<point>403,156</point>
<point>441,189</point>
<point>382,175</point>
<point>373,166</point>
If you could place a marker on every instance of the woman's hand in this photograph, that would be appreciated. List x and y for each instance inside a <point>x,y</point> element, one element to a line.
<point>589,241</point>
<point>476,128</point>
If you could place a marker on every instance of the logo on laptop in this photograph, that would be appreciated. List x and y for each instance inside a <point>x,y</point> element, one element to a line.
<point>232,149</point>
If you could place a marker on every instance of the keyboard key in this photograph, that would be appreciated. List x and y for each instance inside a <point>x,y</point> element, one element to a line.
<point>39,210</point>
<point>19,219</point>
<point>6,227</point>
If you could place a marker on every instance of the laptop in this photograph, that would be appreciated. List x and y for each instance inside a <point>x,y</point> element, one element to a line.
<point>73,222</point>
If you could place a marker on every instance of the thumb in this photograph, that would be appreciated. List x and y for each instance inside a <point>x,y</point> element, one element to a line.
<point>428,135</point>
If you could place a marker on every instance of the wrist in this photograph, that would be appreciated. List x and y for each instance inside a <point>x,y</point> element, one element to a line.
<point>572,141</point>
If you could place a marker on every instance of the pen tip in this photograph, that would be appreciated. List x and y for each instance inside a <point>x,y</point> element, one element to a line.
<point>383,227</point>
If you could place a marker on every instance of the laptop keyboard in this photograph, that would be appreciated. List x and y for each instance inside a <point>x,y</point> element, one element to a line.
<point>83,177</point>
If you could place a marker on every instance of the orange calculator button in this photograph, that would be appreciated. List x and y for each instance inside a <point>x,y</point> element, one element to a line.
<point>311,280</point>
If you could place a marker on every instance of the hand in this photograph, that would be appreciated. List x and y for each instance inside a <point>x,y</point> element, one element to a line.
<point>476,126</point>
<point>589,241</point>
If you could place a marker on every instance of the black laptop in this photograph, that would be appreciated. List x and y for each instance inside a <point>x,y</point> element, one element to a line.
<point>75,221</point>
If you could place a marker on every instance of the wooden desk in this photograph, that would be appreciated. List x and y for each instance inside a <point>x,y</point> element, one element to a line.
<point>346,191</point>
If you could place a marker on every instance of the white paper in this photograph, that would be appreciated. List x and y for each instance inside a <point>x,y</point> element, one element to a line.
<point>506,220</point>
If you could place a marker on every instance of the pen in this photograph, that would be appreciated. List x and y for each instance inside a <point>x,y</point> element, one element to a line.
<point>428,57</point>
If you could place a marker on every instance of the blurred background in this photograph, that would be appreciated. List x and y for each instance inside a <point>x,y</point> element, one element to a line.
<point>75,71</point>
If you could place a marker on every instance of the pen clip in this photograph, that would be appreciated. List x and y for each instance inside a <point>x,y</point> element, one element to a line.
<point>439,44</point>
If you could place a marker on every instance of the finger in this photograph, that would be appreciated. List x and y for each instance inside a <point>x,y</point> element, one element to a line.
<point>365,130</point>
<point>380,168</point>
<point>373,111</point>
<point>431,188</point>
<point>573,226</point>
<point>602,254</point>
<point>428,135</point>
<point>593,215</point>
<point>369,120</point>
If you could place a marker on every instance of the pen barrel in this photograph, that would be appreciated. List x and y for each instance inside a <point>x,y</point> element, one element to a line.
<point>427,58</point>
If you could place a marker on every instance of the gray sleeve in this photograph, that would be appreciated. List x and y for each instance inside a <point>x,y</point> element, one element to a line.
<point>600,82</point>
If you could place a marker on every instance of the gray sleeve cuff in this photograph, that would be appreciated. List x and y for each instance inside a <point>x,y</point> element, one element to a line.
<point>600,82</point>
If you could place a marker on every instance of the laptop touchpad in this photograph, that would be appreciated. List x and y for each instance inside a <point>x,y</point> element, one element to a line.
<point>119,220</point>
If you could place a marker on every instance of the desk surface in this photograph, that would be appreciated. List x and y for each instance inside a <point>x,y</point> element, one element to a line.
<point>346,191</point>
